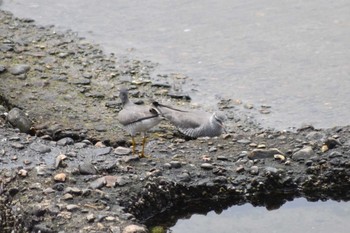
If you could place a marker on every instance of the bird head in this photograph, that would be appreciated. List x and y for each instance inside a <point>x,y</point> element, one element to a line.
<point>220,118</point>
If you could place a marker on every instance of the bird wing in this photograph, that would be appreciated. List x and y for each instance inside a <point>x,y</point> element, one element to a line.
<point>134,113</point>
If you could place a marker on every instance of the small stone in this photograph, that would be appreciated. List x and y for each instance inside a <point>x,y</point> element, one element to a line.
<point>87,169</point>
<point>65,141</point>
<point>90,218</point>
<point>101,151</point>
<point>19,69</point>
<point>98,183</point>
<point>80,145</point>
<point>100,144</point>
<point>40,148</point>
<point>72,207</point>
<point>207,166</point>
<point>59,160</point>
<point>122,150</point>
<point>303,154</point>
<point>244,141</point>
<point>17,145</point>
<point>67,196</point>
<point>240,169</point>
<point>222,158</point>
<point>111,181</point>
<point>324,148</point>
<point>73,190</point>
<point>110,218</point>
<point>175,164</point>
<point>19,120</point>
<point>279,157</point>
<point>263,153</point>
<point>261,146</point>
<point>60,177</point>
<point>134,229</point>
<point>23,172</point>
<point>254,170</point>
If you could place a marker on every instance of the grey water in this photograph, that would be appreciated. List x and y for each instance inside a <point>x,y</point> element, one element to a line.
<point>291,55</point>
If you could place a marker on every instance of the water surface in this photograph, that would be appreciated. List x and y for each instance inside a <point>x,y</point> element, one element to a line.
<point>291,55</point>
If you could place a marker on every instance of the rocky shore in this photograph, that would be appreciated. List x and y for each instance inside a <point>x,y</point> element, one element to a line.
<point>66,165</point>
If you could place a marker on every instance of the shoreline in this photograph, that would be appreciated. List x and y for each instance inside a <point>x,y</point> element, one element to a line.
<point>70,92</point>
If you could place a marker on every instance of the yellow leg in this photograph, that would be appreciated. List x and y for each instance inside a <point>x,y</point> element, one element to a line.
<point>133,145</point>
<point>143,147</point>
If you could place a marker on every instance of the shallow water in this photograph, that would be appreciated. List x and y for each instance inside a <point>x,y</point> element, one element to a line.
<point>291,55</point>
<point>297,216</point>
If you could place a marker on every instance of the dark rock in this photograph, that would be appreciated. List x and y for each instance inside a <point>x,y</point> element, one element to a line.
<point>19,120</point>
<point>178,95</point>
<point>19,69</point>
<point>65,141</point>
<point>332,143</point>
<point>175,164</point>
<point>87,169</point>
<point>101,151</point>
<point>40,148</point>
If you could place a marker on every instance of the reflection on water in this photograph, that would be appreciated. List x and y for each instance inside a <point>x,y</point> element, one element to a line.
<point>296,216</point>
<point>291,55</point>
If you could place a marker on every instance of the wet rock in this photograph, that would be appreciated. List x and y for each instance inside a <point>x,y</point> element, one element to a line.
<point>264,153</point>
<point>72,207</point>
<point>59,160</point>
<point>39,147</point>
<point>73,190</point>
<point>101,151</point>
<point>65,141</point>
<point>99,183</point>
<point>43,228</point>
<point>122,150</point>
<point>134,229</point>
<point>207,166</point>
<point>240,169</point>
<point>87,169</point>
<point>90,218</point>
<point>19,120</point>
<point>303,154</point>
<point>332,143</point>
<point>19,69</point>
<point>175,164</point>
<point>2,68</point>
<point>17,145</point>
<point>254,170</point>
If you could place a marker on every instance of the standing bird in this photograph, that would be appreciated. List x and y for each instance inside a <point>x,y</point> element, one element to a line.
<point>137,119</point>
<point>193,124</point>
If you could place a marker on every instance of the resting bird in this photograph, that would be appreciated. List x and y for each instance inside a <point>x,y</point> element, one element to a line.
<point>137,119</point>
<point>195,123</point>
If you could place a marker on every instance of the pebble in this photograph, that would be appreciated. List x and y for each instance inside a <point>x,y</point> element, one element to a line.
<point>73,190</point>
<point>303,154</point>
<point>134,229</point>
<point>122,150</point>
<point>60,177</point>
<point>254,170</point>
<point>23,172</point>
<point>87,169</point>
<point>244,141</point>
<point>264,153</point>
<point>65,141</point>
<point>72,207</point>
<point>59,160</point>
<point>19,69</point>
<point>67,196</point>
<point>240,169</point>
<point>90,218</point>
<point>207,166</point>
<point>2,68</point>
<point>175,164</point>
<point>19,120</point>
<point>17,145</point>
<point>39,147</point>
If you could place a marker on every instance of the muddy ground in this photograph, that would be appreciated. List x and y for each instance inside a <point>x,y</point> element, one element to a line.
<point>69,167</point>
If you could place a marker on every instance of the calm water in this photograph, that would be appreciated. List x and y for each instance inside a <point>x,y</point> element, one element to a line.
<point>292,55</point>
<point>296,216</point>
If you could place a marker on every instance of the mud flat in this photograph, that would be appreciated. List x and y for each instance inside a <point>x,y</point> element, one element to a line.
<point>66,166</point>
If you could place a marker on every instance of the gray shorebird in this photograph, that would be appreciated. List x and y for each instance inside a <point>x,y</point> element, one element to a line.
<point>194,123</point>
<point>137,119</point>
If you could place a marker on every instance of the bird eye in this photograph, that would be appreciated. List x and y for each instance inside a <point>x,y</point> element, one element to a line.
<point>153,111</point>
